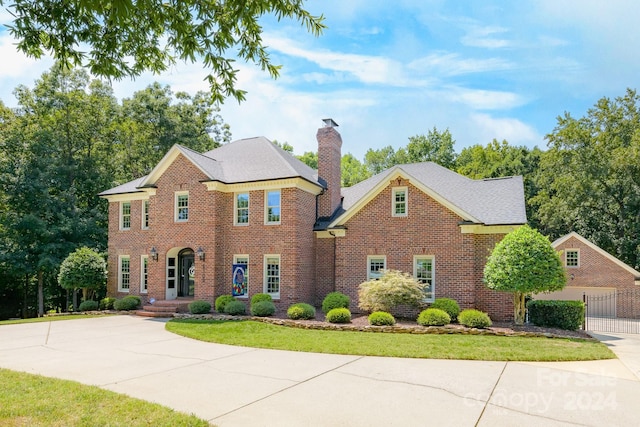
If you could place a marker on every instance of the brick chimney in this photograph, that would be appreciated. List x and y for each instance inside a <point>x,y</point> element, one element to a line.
<point>329,157</point>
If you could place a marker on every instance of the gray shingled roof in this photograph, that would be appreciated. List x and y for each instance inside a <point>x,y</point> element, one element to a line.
<point>245,160</point>
<point>497,201</point>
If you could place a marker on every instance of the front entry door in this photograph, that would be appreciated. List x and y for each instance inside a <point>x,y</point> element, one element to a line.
<point>187,273</point>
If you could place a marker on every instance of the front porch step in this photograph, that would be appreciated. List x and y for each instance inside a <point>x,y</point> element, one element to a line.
<point>165,308</point>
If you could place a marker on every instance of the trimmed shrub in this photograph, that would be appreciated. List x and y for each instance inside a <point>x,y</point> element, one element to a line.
<point>88,305</point>
<point>448,305</point>
<point>263,309</point>
<point>392,289</point>
<point>107,303</point>
<point>235,308</point>
<point>433,317</point>
<point>335,300</point>
<point>128,303</point>
<point>339,315</point>
<point>381,318</point>
<point>301,310</point>
<point>474,319</point>
<point>567,315</point>
<point>199,307</point>
<point>222,301</point>
<point>256,298</point>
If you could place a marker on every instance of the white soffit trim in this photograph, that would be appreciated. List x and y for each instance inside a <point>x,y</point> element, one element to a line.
<point>598,249</point>
<point>299,183</point>
<point>395,173</point>
<point>487,229</point>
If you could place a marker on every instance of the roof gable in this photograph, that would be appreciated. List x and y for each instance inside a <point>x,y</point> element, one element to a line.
<point>489,201</point>
<point>206,165</point>
<point>598,249</point>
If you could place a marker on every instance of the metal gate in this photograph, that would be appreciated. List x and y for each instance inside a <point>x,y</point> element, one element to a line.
<point>613,312</point>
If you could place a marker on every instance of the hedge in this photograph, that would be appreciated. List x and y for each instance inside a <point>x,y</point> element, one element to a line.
<point>567,315</point>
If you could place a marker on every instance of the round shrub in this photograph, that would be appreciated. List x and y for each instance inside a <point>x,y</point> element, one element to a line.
<point>88,305</point>
<point>381,318</point>
<point>339,315</point>
<point>433,317</point>
<point>448,305</point>
<point>222,301</point>
<point>199,307</point>
<point>474,319</point>
<point>301,310</point>
<point>235,308</point>
<point>107,303</point>
<point>128,303</point>
<point>256,298</point>
<point>335,300</point>
<point>263,309</point>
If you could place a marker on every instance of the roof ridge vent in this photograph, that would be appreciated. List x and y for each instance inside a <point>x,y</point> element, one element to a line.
<point>330,123</point>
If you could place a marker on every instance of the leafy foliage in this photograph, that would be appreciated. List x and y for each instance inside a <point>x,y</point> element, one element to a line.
<point>448,305</point>
<point>256,298</point>
<point>199,307</point>
<point>522,263</point>
<point>235,308</point>
<point>301,310</point>
<point>335,300</point>
<point>89,305</point>
<point>127,38</point>
<point>222,301</point>
<point>338,315</point>
<point>128,303</point>
<point>556,314</point>
<point>381,318</point>
<point>107,303</point>
<point>393,288</point>
<point>263,309</point>
<point>433,317</point>
<point>474,319</point>
<point>84,268</point>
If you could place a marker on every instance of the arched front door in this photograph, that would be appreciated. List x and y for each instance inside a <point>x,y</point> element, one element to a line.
<point>186,273</point>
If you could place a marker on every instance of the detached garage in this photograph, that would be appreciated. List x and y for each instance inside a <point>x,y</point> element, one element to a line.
<point>613,287</point>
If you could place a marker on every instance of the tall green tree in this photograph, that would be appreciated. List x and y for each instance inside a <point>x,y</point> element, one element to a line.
<point>435,147</point>
<point>524,262</point>
<point>590,177</point>
<point>352,170</point>
<point>85,269</point>
<point>126,38</point>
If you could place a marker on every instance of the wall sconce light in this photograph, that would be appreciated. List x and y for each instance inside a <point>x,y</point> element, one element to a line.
<point>573,276</point>
<point>154,253</point>
<point>200,253</point>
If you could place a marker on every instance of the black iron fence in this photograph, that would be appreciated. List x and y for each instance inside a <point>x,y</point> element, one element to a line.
<point>618,311</point>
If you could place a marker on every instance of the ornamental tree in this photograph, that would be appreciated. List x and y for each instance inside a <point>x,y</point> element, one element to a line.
<point>524,262</point>
<point>392,289</point>
<point>85,269</point>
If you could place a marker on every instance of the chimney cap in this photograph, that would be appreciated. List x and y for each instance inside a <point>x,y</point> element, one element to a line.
<point>330,123</point>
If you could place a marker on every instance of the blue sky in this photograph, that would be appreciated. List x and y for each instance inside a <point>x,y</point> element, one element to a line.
<point>387,70</point>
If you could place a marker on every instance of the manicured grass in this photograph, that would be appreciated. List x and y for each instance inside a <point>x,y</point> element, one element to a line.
<point>430,346</point>
<point>33,400</point>
<point>52,318</point>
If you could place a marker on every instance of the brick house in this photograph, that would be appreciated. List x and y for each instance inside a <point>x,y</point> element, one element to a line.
<point>188,228</point>
<point>613,285</point>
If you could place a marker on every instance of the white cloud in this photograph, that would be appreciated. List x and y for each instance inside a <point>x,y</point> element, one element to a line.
<point>452,64</point>
<point>479,99</point>
<point>513,130</point>
<point>478,36</point>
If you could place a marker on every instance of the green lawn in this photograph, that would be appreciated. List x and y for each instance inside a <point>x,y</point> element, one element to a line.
<point>431,346</point>
<point>51,318</point>
<point>33,400</point>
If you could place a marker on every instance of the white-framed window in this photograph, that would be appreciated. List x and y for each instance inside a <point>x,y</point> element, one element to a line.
<point>572,258</point>
<point>182,206</point>
<point>241,209</point>
<point>243,260</point>
<point>376,264</point>
<point>272,275</point>
<point>145,214</point>
<point>144,274</point>
<point>272,207</point>
<point>125,215</point>
<point>399,201</point>
<point>124,273</point>
<point>424,272</point>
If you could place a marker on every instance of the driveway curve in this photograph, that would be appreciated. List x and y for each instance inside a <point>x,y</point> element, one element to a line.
<point>239,386</point>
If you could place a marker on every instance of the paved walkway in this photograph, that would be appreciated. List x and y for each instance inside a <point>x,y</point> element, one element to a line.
<point>238,386</point>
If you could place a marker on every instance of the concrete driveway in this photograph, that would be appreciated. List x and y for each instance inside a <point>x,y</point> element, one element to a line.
<point>238,386</point>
